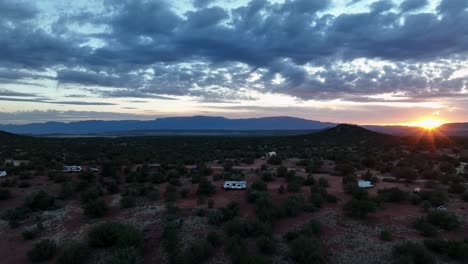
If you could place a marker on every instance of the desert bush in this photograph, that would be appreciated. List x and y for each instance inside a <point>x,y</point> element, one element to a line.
<point>411,252</point>
<point>291,207</point>
<point>42,251</point>
<point>457,188</point>
<point>247,228</point>
<point>457,250</point>
<point>317,199</point>
<point>128,255</point>
<point>154,195</point>
<point>213,238</point>
<point>306,250</point>
<point>309,180</point>
<point>185,192</point>
<point>210,203</point>
<point>443,219</point>
<point>115,234</point>
<point>171,244</point>
<point>268,176</point>
<point>24,184</point>
<point>435,197</point>
<point>281,171</point>
<point>40,200</point>
<point>67,190</point>
<point>127,202</point>
<point>294,186</point>
<point>392,195</point>
<point>198,252</point>
<point>266,245</point>
<point>30,233</point>
<point>215,217</point>
<point>357,208</point>
<point>386,235</point>
<point>171,194</point>
<point>426,229</point>
<point>323,182</point>
<point>95,208</point>
<point>259,186</point>
<point>282,190</point>
<point>312,228</point>
<point>5,194</point>
<point>73,254</point>
<point>265,208</point>
<point>206,188</point>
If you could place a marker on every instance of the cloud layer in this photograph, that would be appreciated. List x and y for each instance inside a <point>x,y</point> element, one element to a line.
<point>312,50</point>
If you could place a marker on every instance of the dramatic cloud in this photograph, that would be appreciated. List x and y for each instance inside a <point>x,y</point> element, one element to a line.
<point>215,52</point>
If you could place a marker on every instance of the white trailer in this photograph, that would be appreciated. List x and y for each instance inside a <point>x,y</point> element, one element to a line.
<point>235,185</point>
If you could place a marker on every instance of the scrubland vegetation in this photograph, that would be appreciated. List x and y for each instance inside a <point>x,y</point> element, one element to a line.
<point>160,199</point>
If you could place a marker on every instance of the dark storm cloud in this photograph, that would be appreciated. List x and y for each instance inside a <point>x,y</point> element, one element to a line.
<point>410,5</point>
<point>197,53</point>
<point>16,10</point>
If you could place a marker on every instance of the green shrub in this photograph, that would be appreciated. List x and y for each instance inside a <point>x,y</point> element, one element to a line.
<point>43,250</point>
<point>359,208</point>
<point>30,233</point>
<point>457,188</point>
<point>258,186</point>
<point>24,184</point>
<point>5,194</point>
<point>425,228</point>
<point>95,208</point>
<point>444,220</point>
<point>247,228</point>
<point>213,238</point>
<point>317,199</point>
<point>127,202</point>
<point>294,186</point>
<point>281,189</point>
<point>127,255</point>
<point>306,250</point>
<point>115,234</point>
<point>73,254</point>
<point>323,182</point>
<point>154,195</point>
<point>312,228</point>
<point>40,201</point>
<point>392,195</point>
<point>291,207</point>
<point>464,196</point>
<point>215,217</point>
<point>457,250</point>
<point>210,203</point>
<point>266,245</point>
<point>185,192</point>
<point>171,244</point>
<point>411,252</point>
<point>309,180</point>
<point>386,235</point>
<point>206,188</point>
<point>265,208</point>
<point>199,251</point>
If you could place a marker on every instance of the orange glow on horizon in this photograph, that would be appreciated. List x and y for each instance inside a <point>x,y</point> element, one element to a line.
<point>427,123</point>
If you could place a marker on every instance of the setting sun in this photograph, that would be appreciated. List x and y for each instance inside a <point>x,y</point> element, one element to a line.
<point>428,123</point>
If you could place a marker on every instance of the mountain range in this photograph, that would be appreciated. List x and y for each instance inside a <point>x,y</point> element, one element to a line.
<point>204,123</point>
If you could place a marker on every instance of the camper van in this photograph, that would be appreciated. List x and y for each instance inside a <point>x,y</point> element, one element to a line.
<point>235,185</point>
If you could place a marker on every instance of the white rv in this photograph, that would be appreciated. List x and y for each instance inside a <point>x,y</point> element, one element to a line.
<point>270,154</point>
<point>235,185</point>
<point>71,168</point>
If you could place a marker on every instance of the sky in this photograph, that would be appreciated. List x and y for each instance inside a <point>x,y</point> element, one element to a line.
<point>354,61</point>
